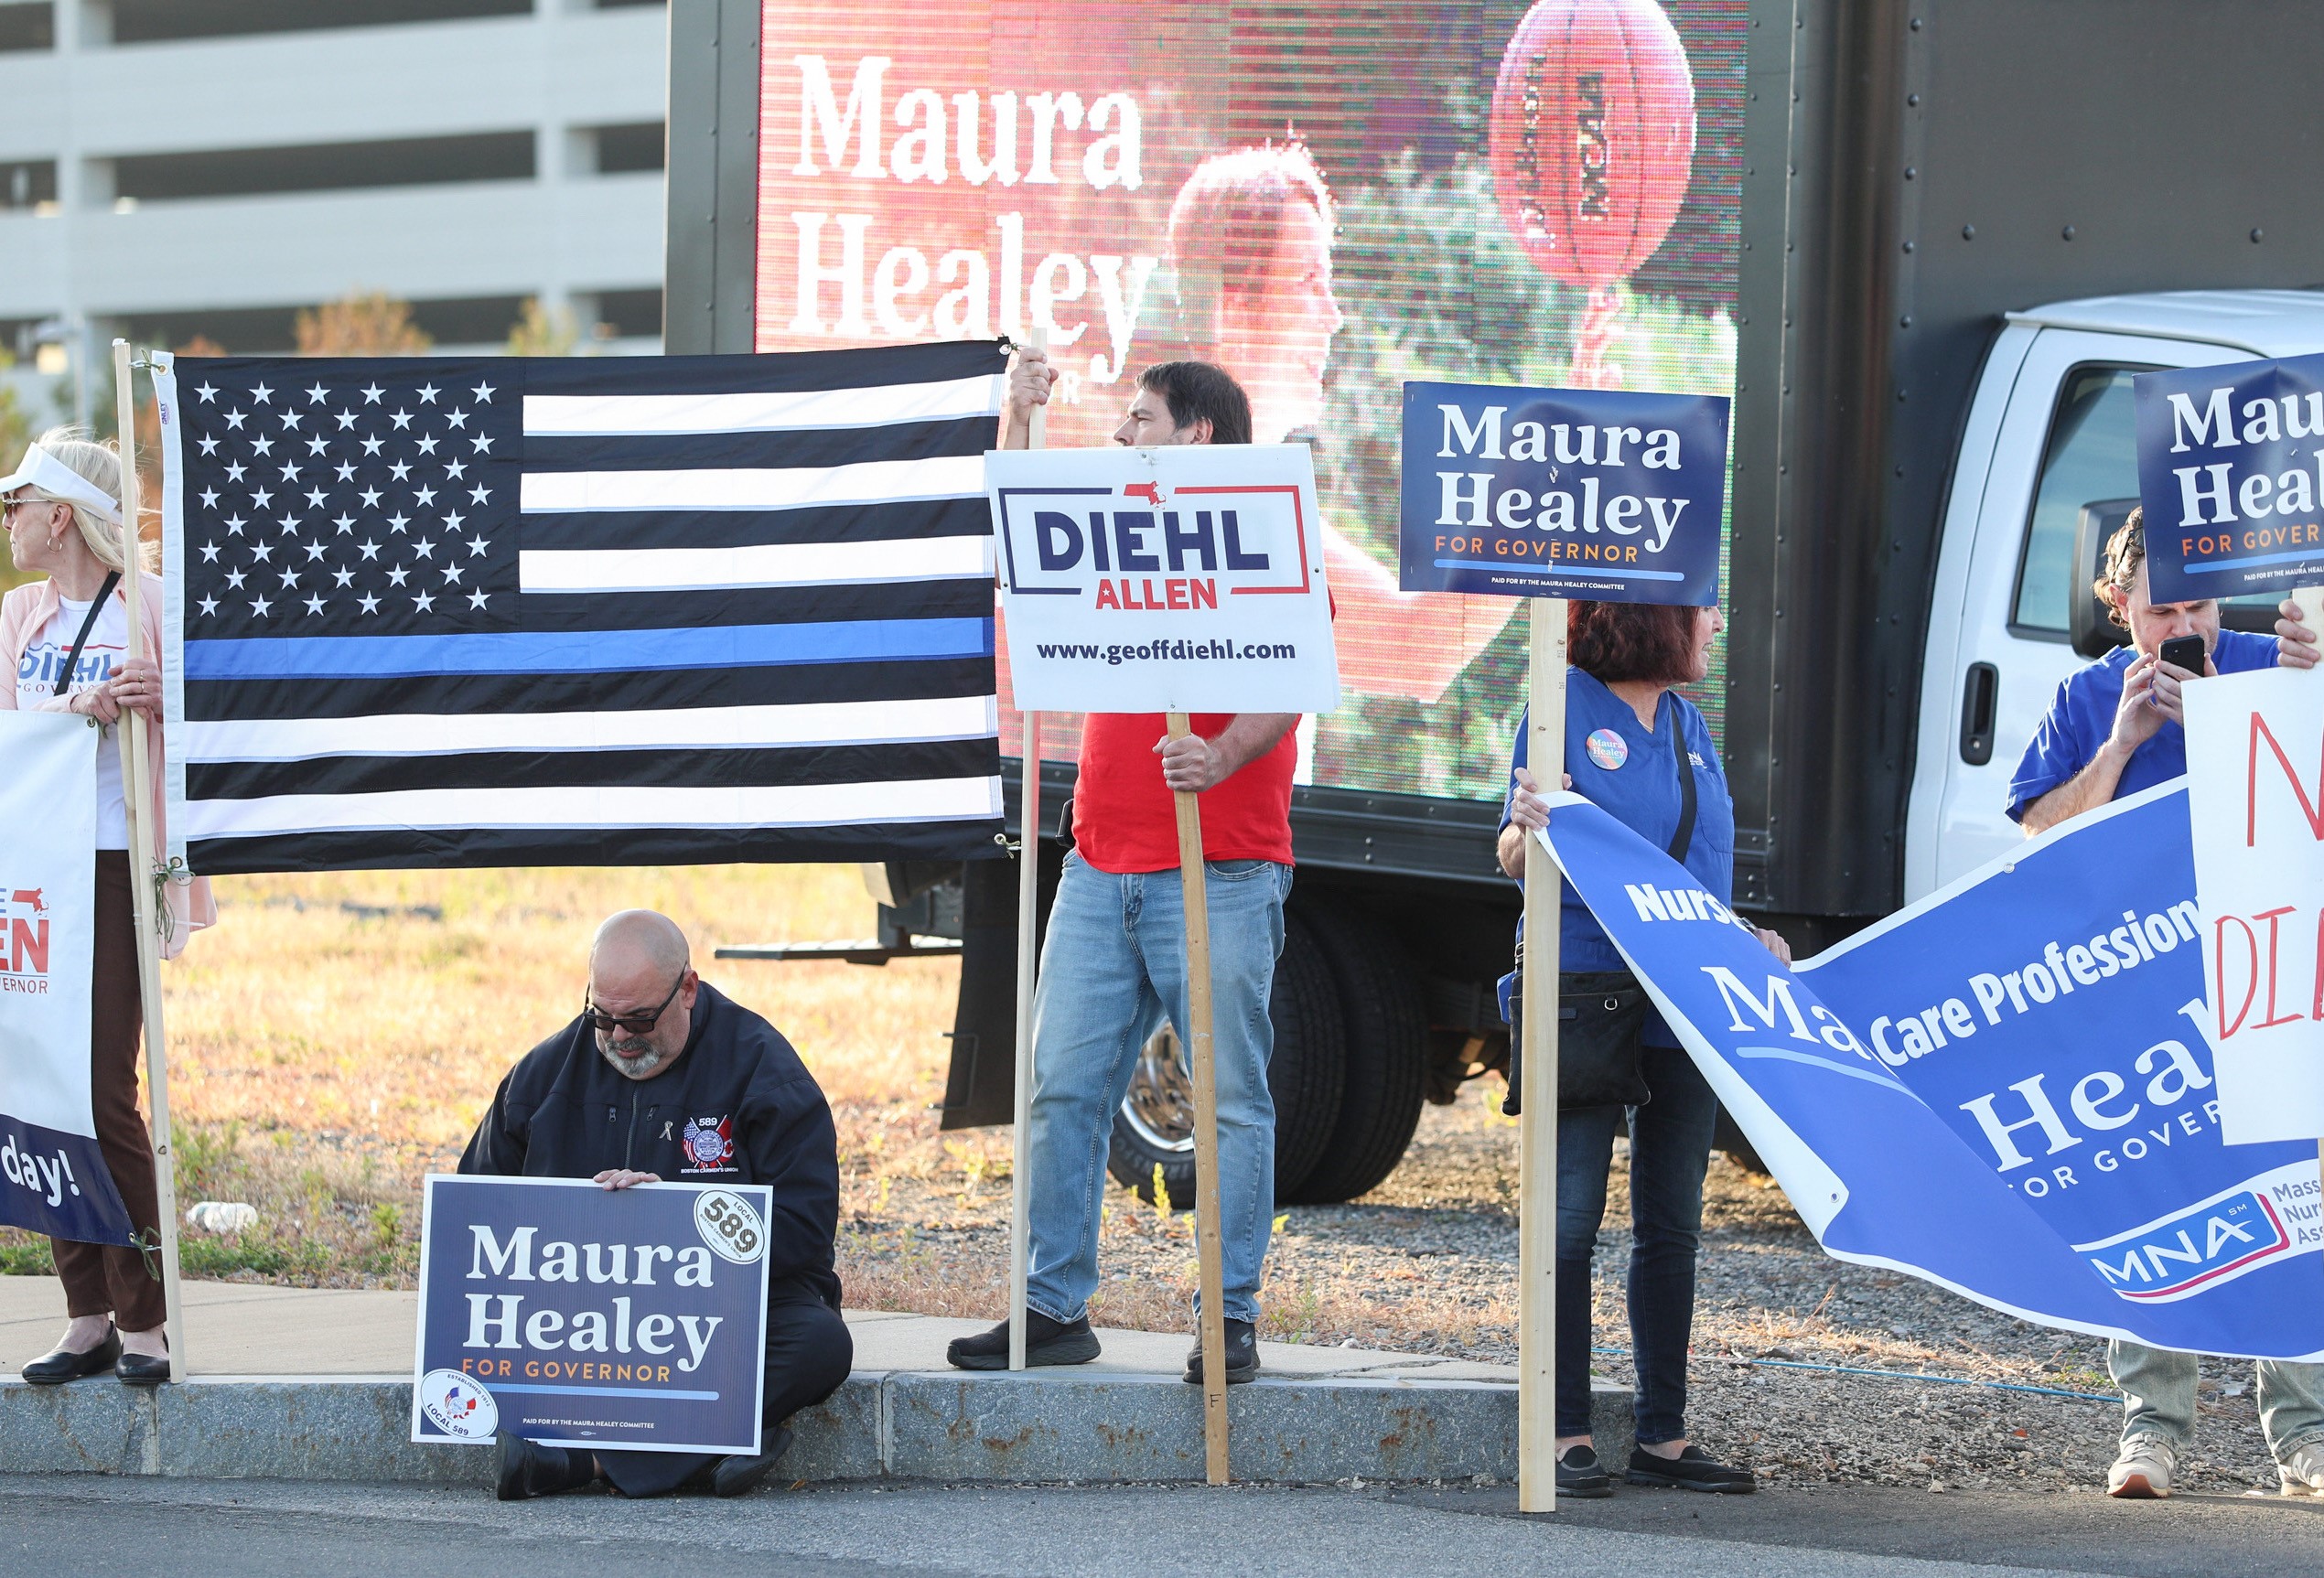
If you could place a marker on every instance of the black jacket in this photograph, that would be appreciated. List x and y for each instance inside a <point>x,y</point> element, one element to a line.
<point>737,1107</point>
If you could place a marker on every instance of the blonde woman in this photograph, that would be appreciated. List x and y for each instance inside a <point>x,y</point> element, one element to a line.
<point>67,639</point>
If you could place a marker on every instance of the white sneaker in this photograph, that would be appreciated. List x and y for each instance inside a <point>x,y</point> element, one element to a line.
<point>2143,1469</point>
<point>2304,1474</point>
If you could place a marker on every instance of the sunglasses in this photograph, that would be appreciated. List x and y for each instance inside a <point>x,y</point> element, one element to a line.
<point>635,1024</point>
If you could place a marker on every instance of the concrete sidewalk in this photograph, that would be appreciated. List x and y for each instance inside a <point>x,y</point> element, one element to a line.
<point>298,1383</point>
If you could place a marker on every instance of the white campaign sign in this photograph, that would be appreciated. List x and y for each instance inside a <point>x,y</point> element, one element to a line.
<point>52,1175</point>
<point>2255,798</point>
<point>1181,579</point>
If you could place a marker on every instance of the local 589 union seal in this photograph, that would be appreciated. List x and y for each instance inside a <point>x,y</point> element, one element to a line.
<point>458,1405</point>
<point>729,1227</point>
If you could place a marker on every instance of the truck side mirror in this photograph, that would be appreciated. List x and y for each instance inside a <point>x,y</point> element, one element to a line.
<point>2096,635</point>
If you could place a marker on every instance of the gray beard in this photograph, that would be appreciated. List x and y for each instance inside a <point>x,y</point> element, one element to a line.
<point>642,1066</point>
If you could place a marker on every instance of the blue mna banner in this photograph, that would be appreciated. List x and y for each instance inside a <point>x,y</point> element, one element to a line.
<point>2231,474</point>
<point>2006,1089</point>
<point>1600,494</point>
<point>564,1313</point>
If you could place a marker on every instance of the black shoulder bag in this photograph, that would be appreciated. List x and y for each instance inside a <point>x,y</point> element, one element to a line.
<point>72,658</point>
<point>1600,1013</point>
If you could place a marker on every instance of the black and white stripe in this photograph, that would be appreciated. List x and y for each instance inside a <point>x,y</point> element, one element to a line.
<point>752,621</point>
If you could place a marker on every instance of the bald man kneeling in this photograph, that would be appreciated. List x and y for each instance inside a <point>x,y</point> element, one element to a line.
<point>663,1077</point>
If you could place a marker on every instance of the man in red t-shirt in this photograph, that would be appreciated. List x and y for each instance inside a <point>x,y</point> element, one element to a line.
<point>1114,961</point>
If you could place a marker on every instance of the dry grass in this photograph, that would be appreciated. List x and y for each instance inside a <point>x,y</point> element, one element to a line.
<point>337,1037</point>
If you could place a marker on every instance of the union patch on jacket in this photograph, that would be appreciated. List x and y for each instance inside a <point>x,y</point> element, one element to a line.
<point>709,1144</point>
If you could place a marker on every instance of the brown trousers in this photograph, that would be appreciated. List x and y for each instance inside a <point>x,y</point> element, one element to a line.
<point>101,1279</point>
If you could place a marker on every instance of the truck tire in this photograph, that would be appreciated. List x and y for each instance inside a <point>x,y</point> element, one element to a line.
<point>1386,1071</point>
<point>1154,1126</point>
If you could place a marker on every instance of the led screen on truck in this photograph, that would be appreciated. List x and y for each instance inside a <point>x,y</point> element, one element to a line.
<point>1302,193</point>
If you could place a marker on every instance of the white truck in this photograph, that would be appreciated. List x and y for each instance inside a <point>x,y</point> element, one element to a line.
<point>1925,243</point>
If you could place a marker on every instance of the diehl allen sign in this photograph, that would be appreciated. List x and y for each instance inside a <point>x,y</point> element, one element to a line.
<point>2231,474</point>
<point>566,1313</point>
<point>1605,495</point>
<point>1179,579</point>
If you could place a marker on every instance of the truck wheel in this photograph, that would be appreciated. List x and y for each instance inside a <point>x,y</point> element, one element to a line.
<point>1154,1126</point>
<point>1387,1063</point>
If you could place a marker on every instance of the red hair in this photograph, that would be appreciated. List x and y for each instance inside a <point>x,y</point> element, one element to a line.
<point>1224,224</point>
<point>1617,641</point>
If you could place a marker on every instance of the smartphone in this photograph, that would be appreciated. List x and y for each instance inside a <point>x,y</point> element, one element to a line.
<point>2184,653</point>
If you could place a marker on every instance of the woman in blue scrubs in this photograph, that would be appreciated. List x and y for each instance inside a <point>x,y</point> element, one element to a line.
<point>1627,732</point>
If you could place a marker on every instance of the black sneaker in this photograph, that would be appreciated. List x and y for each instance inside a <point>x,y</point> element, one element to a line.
<point>1045,1342</point>
<point>1690,1470</point>
<point>1580,1474</point>
<point>1243,1355</point>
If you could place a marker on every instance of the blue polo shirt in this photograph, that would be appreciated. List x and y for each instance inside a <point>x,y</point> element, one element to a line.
<point>1629,769</point>
<point>2082,716</point>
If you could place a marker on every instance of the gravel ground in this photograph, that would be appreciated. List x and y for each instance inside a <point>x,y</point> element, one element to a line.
<point>1427,1263</point>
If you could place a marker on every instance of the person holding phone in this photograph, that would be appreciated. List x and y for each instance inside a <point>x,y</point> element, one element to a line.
<point>2114,729</point>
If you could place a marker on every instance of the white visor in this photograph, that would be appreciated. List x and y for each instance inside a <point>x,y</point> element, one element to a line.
<point>43,470</point>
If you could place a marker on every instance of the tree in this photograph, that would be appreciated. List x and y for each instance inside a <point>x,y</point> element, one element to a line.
<point>541,331</point>
<point>366,323</point>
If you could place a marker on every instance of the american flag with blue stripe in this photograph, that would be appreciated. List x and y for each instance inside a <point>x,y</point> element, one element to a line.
<point>503,611</point>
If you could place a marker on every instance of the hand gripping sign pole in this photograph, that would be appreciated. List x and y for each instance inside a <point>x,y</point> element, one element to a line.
<point>1537,1117</point>
<point>136,765</point>
<point>1028,903</point>
<point>1210,1266</point>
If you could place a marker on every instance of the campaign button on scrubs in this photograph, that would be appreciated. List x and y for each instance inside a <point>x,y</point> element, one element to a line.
<point>1607,748</point>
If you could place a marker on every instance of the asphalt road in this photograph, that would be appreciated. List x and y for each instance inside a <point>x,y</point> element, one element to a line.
<point>97,1528</point>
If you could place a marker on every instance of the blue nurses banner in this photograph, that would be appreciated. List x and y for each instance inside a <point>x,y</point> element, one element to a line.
<point>564,1313</point>
<point>1600,494</point>
<point>2231,474</point>
<point>2006,1089</point>
<point>52,1174</point>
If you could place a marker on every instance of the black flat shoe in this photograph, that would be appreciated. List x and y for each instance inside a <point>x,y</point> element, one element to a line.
<point>142,1369</point>
<point>61,1365</point>
<point>741,1475</point>
<point>528,1469</point>
<point>1581,1476</point>
<point>1243,1355</point>
<point>1045,1342</point>
<point>1692,1469</point>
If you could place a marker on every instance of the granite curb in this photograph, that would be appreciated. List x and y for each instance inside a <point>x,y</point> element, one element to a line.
<point>944,1425</point>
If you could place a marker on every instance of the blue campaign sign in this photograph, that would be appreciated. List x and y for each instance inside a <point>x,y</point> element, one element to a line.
<point>568,1314</point>
<point>1602,494</point>
<point>2230,473</point>
<point>2006,1089</point>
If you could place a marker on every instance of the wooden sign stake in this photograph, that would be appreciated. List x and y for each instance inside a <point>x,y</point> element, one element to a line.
<point>1209,1262</point>
<point>136,764</point>
<point>1537,1117</point>
<point>1029,902</point>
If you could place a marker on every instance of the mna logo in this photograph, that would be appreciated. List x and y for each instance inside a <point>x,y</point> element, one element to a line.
<point>24,939</point>
<point>2180,1255</point>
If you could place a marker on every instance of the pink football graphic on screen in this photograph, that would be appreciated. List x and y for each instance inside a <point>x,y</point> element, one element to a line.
<point>1592,137</point>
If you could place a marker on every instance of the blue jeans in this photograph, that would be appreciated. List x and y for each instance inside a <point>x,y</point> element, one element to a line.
<point>1113,966</point>
<point>2158,1396</point>
<point>1670,1152</point>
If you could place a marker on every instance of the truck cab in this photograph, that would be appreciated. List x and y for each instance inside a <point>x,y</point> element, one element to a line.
<point>2048,467</point>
